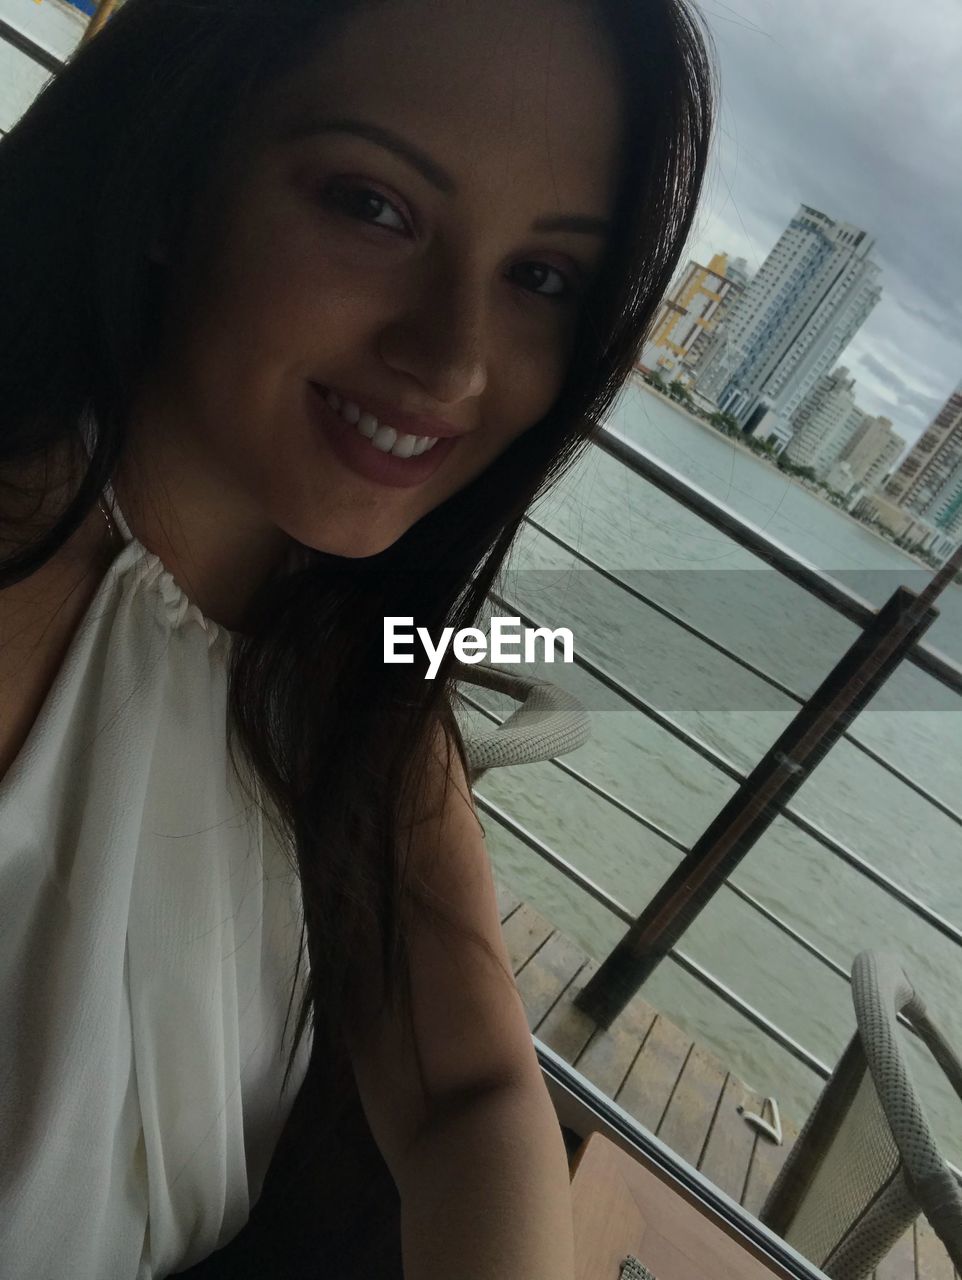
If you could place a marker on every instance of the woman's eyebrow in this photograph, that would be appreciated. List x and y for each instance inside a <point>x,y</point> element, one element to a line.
<point>428,168</point>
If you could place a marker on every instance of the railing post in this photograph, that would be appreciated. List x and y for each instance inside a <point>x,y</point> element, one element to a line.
<point>103,11</point>
<point>815,729</point>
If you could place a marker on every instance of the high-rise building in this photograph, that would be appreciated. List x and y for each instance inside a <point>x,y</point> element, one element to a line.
<point>867,458</point>
<point>824,423</point>
<point>790,326</point>
<point>946,512</point>
<point>737,272</point>
<point>922,500</point>
<point>926,480</point>
<point>684,315</point>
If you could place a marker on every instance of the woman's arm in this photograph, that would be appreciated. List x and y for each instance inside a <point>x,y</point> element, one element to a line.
<point>471,1138</point>
<point>485,1193</point>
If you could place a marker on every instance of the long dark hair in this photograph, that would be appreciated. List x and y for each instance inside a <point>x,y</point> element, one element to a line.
<point>337,740</point>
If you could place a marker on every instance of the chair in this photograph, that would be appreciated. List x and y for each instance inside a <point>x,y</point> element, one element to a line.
<point>548,723</point>
<point>865,1164</point>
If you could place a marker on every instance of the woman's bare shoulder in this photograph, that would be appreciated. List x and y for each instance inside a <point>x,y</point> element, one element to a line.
<point>39,615</point>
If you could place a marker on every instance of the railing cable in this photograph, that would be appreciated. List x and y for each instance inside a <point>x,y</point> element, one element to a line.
<point>839,850</point>
<point>772,552</point>
<point>952,814</point>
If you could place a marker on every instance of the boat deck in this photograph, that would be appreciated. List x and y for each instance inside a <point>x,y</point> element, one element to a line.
<point>671,1085</point>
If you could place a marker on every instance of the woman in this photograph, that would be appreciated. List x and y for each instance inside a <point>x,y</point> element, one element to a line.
<point>249,252</point>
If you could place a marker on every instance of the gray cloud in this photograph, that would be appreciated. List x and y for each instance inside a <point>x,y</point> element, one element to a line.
<point>855,110</point>
<point>904,395</point>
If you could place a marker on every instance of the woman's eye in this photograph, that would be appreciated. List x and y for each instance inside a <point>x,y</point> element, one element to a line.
<point>344,196</point>
<point>356,200</point>
<point>567,294</point>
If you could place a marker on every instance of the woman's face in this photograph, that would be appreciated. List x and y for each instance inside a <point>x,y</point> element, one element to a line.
<point>376,234</point>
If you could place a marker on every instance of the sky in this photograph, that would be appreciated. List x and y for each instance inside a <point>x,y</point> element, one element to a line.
<point>854,108</point>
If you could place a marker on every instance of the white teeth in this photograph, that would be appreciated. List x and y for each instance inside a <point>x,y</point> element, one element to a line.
<point>385,439</point>
<point>424,443</point>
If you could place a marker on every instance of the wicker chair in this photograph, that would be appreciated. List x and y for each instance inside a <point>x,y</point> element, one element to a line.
<point>865,1165</point>
<point>549,722</point>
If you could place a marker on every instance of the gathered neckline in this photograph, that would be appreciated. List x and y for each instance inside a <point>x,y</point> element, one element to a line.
<point>171,588</point>
<point>174,593</point>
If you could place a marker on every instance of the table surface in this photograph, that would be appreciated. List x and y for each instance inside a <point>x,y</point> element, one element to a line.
<point>621,1206</point>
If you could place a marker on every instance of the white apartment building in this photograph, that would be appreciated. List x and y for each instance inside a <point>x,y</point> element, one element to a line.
<point>739,273</point>
<point>811,296</point>
<point>824,423</point>
<point>867,458</point>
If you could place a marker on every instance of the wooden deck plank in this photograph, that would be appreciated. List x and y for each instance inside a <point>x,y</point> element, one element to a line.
<point>899,1262</point>
<point>693,1104</point>
<point>507,900</point>
<point>931,1260</point>
<point>547,975</point>
<point>524,932</point>
<point>673,1087</point>
<point>566,1029</point>
<point>608,1056</point>
<point>728,1151</point>
<point>650,1083</point>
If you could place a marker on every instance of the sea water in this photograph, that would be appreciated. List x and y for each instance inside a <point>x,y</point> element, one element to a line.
<point>636,532</point>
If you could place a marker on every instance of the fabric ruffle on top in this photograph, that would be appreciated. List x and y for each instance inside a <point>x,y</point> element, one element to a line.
<point>149,935</point>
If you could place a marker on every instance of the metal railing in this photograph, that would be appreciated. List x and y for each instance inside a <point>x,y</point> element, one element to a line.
<point>29,48</point>
<point>704,638</point>
<point>842,601</point>
<point>723,765</point>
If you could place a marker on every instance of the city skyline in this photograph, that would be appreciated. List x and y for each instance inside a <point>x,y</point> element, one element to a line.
<point>853,111</point>
<point>794,321</point>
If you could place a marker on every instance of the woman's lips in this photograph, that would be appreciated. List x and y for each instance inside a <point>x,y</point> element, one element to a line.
<point>402,422</point>
<point>360,456</point>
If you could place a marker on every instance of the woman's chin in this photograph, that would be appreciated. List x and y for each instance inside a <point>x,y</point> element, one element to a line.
<point>357,544</point>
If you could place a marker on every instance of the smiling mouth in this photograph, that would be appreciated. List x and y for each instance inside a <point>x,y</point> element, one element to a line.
<point>373,454</point>
<point>383,437</point>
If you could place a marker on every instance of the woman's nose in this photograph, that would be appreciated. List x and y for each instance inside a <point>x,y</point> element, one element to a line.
<point>441,338</point>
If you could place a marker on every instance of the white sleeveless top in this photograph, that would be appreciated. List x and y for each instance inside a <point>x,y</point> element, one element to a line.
<point>149,932</point>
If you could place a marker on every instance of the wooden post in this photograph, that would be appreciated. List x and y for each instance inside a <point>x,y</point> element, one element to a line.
<point>104,9</point>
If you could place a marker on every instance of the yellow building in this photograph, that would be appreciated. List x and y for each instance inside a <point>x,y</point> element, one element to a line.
<point>688,313</point>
